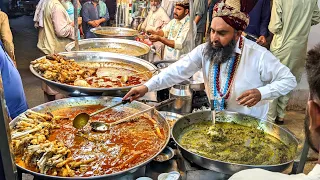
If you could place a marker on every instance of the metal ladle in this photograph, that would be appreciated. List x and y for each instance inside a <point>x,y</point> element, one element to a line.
<point>82,119</point>
<point>102,126</point>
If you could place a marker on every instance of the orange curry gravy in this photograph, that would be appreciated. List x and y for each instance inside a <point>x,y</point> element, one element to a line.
<point>121,147</point>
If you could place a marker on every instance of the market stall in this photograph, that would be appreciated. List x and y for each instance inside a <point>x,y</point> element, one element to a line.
<point>176,142</point>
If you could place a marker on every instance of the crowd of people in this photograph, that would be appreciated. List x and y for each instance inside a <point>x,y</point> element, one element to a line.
<point>284,28</point>
<point>251,55</point>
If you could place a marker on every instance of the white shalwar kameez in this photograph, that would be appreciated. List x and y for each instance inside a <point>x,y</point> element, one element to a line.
<point>178,31</point>
<point>258,68</point>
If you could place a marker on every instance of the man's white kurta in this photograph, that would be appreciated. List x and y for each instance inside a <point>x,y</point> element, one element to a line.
<point>155,20</point>
<point>258,68</point>
<point>179,33</point>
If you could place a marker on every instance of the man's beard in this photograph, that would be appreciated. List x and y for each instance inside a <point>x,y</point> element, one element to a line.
<point>219,54</point>
<point>309,135</point>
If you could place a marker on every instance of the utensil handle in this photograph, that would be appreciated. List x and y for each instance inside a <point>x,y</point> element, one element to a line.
<point>165,102</point>
<point>213,113</point>
<point>129,118</point>
<point>109,107</point>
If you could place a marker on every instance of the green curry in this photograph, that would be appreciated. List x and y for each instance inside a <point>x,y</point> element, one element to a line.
<point>234,143</point>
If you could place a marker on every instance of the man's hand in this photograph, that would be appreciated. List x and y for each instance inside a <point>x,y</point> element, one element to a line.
<point>98,22</point>
<point>262,40</point>
<point>154,38</point>
<point>136,92</point>
<point>93,24</point>
<point>249,98</point>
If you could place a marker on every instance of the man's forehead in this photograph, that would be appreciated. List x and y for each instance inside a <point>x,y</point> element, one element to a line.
<point>219,29</point>
<point>219,24</point>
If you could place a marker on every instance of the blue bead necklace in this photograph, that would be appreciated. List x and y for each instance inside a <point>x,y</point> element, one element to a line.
<point>220,97</point>
<point>221,105</point>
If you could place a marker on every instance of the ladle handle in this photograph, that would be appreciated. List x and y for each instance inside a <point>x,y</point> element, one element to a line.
<point>109,107</point>
<point>133,116</point>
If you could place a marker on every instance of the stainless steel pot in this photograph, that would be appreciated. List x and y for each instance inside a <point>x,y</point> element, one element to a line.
<point>105,101</point>
<point>87,44</point>
<point>183,95</point>
<point>226,167</point>
<point>196,84</point>
<point>115,32</point>
<point>100,58</point>
<point>136,22</point>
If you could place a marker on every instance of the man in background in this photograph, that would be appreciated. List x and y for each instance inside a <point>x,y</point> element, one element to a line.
<point>175,34</point>
<point>211,4</point>
<point>200,8</point>
<point>6,35</point>
<point>94,13</point>
<point>56,30</point>
<point>157,17</point>
<point>312,127</point>
<point>259,12</point>
<point>290,23</point>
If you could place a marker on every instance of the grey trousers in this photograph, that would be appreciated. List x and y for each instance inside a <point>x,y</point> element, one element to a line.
<point>199,38</point>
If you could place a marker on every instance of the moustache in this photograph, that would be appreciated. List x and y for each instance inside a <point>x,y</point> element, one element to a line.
<point>216,44</point>
<point>218,53</point>
<point>175,14</point>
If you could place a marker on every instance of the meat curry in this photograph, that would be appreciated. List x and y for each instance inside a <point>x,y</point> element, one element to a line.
<point>60,149</point>
<point>110,75</point>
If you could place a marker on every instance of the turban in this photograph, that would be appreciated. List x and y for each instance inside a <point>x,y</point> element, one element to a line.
<point>229,11</point>
<point>184,4</point>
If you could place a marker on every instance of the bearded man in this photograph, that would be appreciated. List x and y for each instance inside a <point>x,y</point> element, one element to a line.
<point>239,75</point>
<point>312,127</point>
<point>175,34</point>
<point>157,17</point>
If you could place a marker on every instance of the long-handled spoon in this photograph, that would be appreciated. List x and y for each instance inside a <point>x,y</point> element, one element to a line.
<point>102,126</point>
<point>82,119</point>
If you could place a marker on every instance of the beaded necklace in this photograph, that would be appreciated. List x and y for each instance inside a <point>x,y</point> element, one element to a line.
<point>220,97</point>
<point>179,32</point>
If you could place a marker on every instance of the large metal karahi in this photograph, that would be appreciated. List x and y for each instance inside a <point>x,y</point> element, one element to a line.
<point>105,101</point>
<point>115,32</point>
<point>99,57</point>
<point>86,44</point>
<point>226,167</point>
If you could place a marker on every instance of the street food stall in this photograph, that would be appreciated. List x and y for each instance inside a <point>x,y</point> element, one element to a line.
<point>47,145</point>
<point>138,139</point>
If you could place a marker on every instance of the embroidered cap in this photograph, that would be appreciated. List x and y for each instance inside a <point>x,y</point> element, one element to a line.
<point>229,11</point>
<point>183,3</point>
